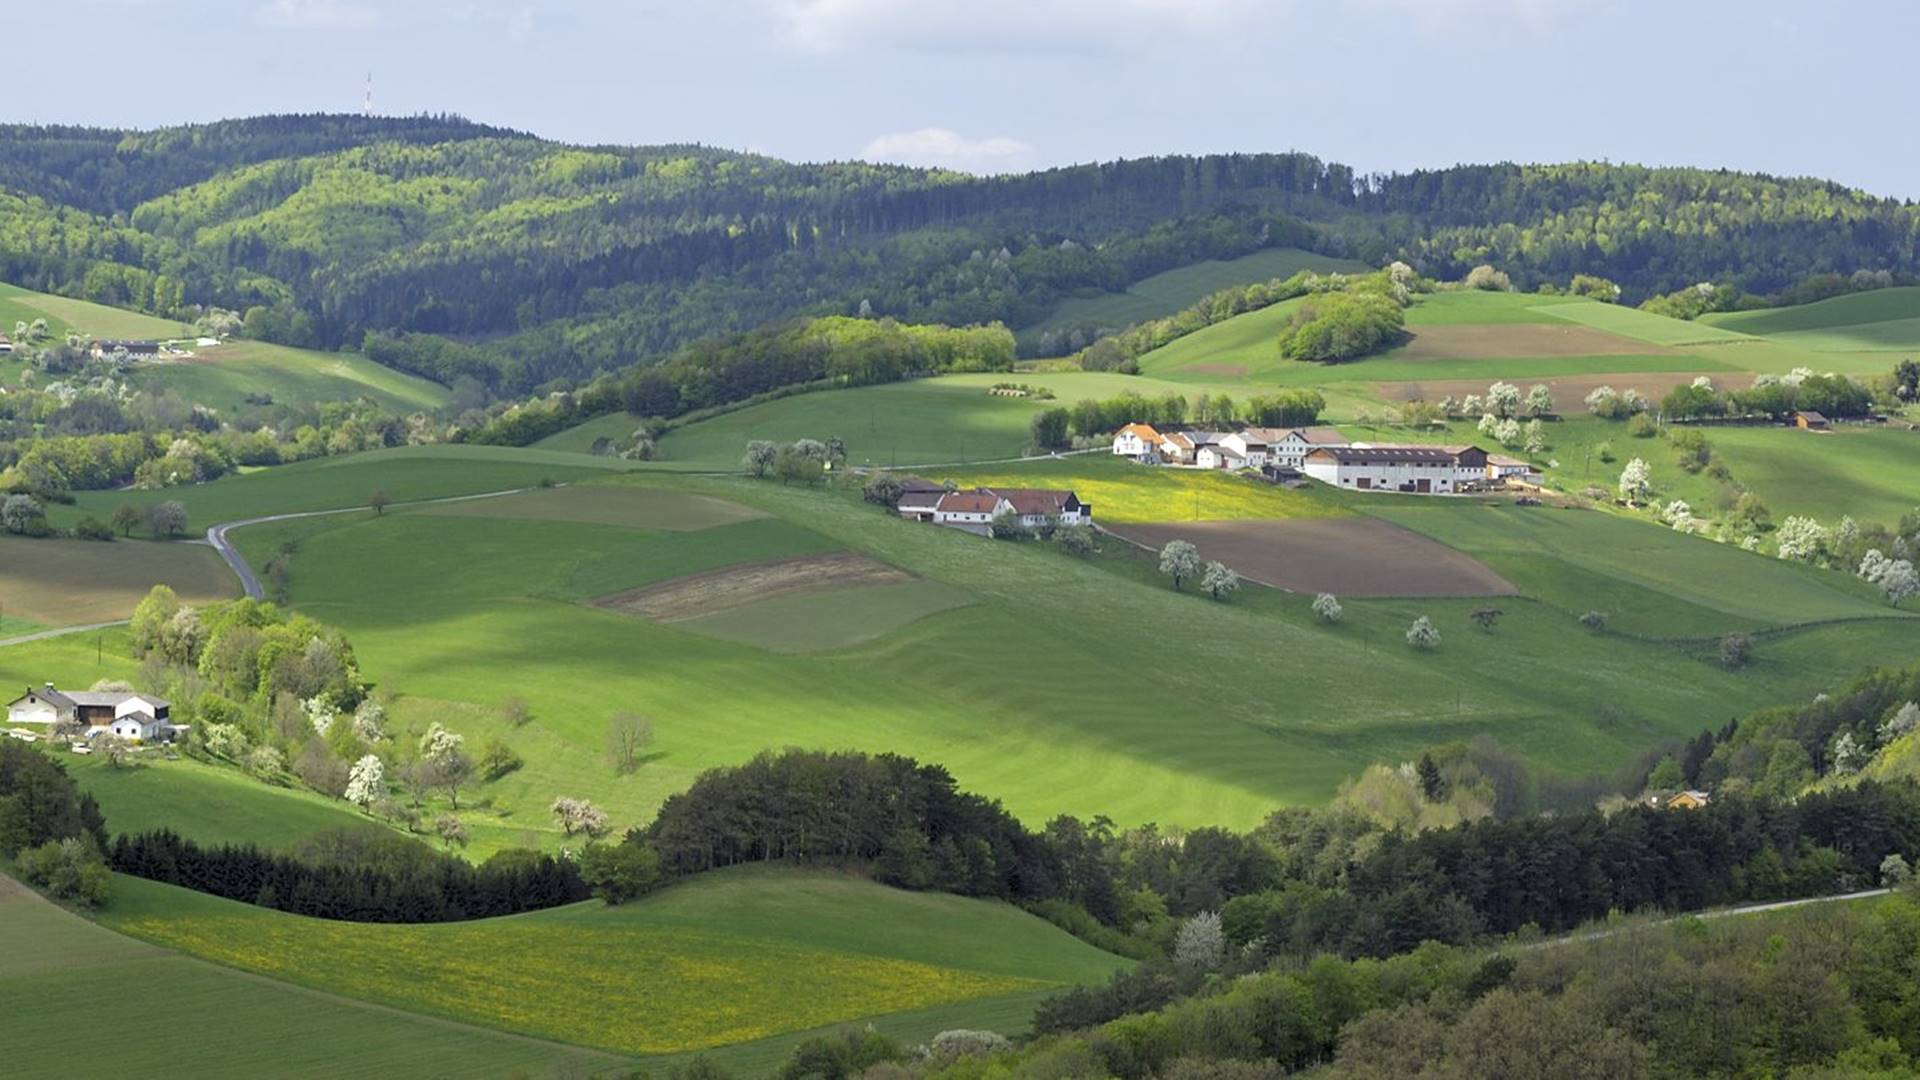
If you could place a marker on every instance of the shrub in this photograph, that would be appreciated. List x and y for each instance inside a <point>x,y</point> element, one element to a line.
<point>92,528</point>
<point>1736,651</point>
<point>1341,326</point>
<point>69,869</point>
<point>1642,426</point>
<point>1487,278</point>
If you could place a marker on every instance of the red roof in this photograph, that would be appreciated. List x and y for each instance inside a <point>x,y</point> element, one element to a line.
<point>1035,500</point>
<point>968,502</point>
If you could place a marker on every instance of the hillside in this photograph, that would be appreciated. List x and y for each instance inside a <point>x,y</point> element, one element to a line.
<point>726,959</point>
<point>563,261</point>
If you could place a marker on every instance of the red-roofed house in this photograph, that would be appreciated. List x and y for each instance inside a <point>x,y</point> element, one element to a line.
<point>1137,441</point>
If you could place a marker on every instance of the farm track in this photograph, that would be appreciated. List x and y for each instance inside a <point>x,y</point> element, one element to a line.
<point>217,535</point>
<point>62,631</point>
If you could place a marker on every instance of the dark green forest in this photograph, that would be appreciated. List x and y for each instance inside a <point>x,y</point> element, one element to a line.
<point>551,262</point>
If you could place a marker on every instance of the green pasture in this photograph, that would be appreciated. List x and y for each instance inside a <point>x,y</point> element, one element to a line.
<point>57,969</point>
<point>1474,307</point>
<point>208,803</point>
<point>1650,581</point>
<point>1641,325</point>
<point>405,473</point>
<point>1167,292</point>
<point>73,582</point>
<point>1861,309</point>
<point>96,320</point>
<point>222,376</point>
<point>830,619</point>
<point>724,958</point>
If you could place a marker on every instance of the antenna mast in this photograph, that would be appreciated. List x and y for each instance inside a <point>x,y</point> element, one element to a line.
<point>366,108</point>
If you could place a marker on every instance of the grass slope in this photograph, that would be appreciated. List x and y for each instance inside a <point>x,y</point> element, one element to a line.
<point>1851,310</point>
<point>207,803</point>
<point>73,582</point>
<point>57,968</point>
<point>1031,692</point>
<point>1167,292</point>
<point>97,320</point>
<point>723,958</point>
<point>223,376</point>
<point>406,473</point>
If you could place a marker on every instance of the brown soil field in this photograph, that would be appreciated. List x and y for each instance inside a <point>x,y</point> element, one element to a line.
<point>1569,391</point>
<point>74,582</point>
<point>1519,341</point>
<point>1357,556</point>
<point>747,583</point>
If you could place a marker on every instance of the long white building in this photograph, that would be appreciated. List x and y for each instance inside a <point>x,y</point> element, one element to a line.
<point>1419,470</point>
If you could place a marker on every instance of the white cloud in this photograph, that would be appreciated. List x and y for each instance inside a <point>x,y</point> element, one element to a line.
<point>949,149</point>
<point>1008,25</point>
<point>316,15</point>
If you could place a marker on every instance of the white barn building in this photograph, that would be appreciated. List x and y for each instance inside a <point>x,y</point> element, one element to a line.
<point>1419,470</point>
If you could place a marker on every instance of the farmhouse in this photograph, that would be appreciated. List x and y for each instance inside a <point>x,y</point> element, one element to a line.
<point>1288,449</point>
<point>129,715</point>
<point>1250,444</point>
<point>974,511</point>
<point>1513,470</point>
<point>1137,441</point>
<point>1808,420</point>
<point>1177,448</point>
<point>1423,470</point>
<point>1218,456</point>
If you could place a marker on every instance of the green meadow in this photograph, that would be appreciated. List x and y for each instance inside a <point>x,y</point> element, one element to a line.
<point>1167,292</point>
<point>54,582</point>
<point>57,968</point>
<point>1850,320</point>
<point>96,320</point>
<point>725,958</point>
<point>223,376</point>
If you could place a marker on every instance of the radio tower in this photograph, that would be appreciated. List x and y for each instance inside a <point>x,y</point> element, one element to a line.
<point>366,107</point>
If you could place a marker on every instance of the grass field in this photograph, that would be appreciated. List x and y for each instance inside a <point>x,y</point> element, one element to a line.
<point>1242,348</point>
<point>1642,325</point>
<point>1123,491</point>
<point>723,958</point>
<point>55,966</point>
<point>222,376</point>
<point>73,582</point>
<point>414,472</point>
<point>210,804</point>
<point>1168,292</point>
<point>1837,314</point>
<point>829,619</point>
<point>97,320</point>
<point>1026,693</point>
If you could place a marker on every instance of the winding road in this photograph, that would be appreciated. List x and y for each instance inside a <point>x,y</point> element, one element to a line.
<point>217,535</point>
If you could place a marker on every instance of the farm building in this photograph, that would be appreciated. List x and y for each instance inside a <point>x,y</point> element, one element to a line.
<point>1513,470</point>
<point>129,715</point>
<point>1422,470</point>
<point>1688,800</point>
<point>1808,420</point>
<point>1219,455</point>
<point>1250,444</point>
<point>1289,450</point>
<point>1177,448</point>
<point>974,511</point>
<point>131,348</point>
<point>1137,441</point>
<point>6,344</point>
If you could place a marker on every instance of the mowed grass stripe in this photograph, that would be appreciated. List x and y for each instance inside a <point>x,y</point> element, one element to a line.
<point>1853,309</point>
<point>724,959</point>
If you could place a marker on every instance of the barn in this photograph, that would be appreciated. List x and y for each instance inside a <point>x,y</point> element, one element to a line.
<point>1418,470</point>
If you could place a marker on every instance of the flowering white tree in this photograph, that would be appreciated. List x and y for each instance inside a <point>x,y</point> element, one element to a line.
<point>1539,399</point>
<point>439,744</point>
<point>1504,398</point>
<point>1848,755</point>
<point>1219,580</point>
<point>1423,634</point>
<point>1489,423</point>
<point>1471,404</point>
<point>1895,578</point>
<point>1635,481</point>
<point>320,712</point>
<point>1508,432</point>
<point>1200,943</point>
<point>1180,560</point>
<point>1327,607</point>
<point>1602,400</point>
<point>1904,719</point>
<point>367,782</point>
<point>369,721</point>
<point>1536,437</point>
<point>1801,538</point>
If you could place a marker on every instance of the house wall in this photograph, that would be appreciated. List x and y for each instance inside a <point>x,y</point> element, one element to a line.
<point>1385,477</point>
<point>34,712</point>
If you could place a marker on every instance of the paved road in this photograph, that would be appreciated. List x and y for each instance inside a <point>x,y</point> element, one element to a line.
<point>217,536</point>
<point>59,632</point>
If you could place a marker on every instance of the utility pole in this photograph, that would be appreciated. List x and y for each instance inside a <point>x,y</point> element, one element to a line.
<point>366,106</point>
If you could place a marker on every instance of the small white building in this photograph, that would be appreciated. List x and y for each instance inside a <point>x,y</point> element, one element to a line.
<point>1137,441</point>
<point>1250,444</point>
<point>1177,447</point>
<point>1218,456</point>
<point>1513,470</point>
<point>969,511</point>
<point>1419,470</point>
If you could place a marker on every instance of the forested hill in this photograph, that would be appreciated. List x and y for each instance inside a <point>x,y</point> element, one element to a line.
<point>569,260</point>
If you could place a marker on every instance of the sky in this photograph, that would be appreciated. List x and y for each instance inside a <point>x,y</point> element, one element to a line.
<point>1791,88</point>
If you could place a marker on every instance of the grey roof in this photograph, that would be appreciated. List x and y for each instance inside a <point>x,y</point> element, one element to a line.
<point>47,694</point>
<point>110,699</point>
<point>1382,455</point>
<point>920,500</point>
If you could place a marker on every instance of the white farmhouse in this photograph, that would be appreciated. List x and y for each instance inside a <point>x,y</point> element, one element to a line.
<point>1289,449</point>
<point>1137,441</point>
<point>1218,456</point>
<point>1250,444</point>
<point>129,715</point>
<point>1420,470</point>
